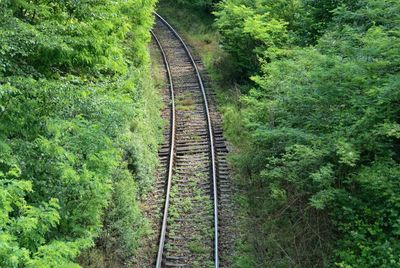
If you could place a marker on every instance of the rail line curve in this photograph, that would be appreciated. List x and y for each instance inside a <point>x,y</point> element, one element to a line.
<point>189,147</point>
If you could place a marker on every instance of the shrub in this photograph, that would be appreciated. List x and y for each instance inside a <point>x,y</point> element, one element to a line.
<point>74,78</point>
<point>322,133</point>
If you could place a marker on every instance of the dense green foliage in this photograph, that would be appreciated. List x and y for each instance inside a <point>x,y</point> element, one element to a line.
<point>78,127</point>
<point>319,133</point>
<point>197,4</point>
<point>252,29</point>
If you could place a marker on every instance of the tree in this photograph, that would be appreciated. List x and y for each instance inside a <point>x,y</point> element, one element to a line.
<point>74,84</point>
<point>322,130</point>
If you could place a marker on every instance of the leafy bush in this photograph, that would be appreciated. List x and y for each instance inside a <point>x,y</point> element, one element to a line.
<point>251,30</point>
<point>322,129</point>
<point>74,113</point>
<point>203,4</point>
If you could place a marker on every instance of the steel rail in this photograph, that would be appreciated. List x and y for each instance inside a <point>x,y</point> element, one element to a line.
<point>212,149</point>
<point>171,155</point>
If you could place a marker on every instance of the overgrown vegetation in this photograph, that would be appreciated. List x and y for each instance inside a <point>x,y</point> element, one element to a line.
<point>319,132</point>
<point>316,128</point>
<point>79,128</point>
<point>202,5</point>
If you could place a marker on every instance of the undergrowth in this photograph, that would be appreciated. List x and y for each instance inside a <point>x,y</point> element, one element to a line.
<point>196,27</point>
<point>79,130</point>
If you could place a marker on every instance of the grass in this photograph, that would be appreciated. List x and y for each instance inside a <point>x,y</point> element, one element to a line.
<point>185,102</point>
<point>156,68</point>
<point>197,247</point>
<point>181,206</point>
<point>194,25</point>
<point>261,242</point>
<point>187,205</point>
<point>196,28</point>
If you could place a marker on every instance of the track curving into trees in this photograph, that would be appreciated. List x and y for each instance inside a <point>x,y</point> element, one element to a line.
<point>196,171</point>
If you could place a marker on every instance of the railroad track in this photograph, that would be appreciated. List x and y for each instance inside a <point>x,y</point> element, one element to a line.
<point>193,174</point>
